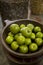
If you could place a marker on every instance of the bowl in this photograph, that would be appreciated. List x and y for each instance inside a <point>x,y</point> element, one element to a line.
<point>30,56</point>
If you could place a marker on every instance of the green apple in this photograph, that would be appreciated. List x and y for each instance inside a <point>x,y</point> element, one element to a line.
<point>42,34</point>
<point>32,35</point>
<point>23,49</point>
<point>29,30</point>
<point>26,32</point>
<point>33,47</point>
<point>22,25</point>
<point>10,34</point>
<point>39,34</point>
<point>14,45</point>
<point>19,34</point>
<point>14,28</point>
<point>9,39</point>
<point>42,41</point>
<point>31,26</point>
<point>27,41</point>
<point>38,41</point>
<point>20,39</point>
<point>16,36</point>
<point>24,28</point>
<point>37,29</point>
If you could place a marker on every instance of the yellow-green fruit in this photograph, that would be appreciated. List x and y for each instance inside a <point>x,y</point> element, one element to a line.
<point>33,47</point>
<point>16,36</point>
<point>22,25</point>
<point>14,28</point>
<point>31,26</point>
<point>27,41</point>
<point>23,49</point>
<point>9,39</point>
<point>32,35</point>
<point>10,34</point>
<point>37,29</point>
<point>38,41</point>
<point>14,45</point>
<point>21,40</point>
<point>39,34</point>
<point>26,32</point>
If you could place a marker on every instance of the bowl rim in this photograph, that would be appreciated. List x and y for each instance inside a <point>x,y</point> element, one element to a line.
<point>16,61</point>
<point>16,53</point>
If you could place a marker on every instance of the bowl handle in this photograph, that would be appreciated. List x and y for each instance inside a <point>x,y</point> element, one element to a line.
<point>7,22</point>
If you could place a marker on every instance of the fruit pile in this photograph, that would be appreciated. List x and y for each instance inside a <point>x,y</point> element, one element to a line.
<point>24,38</point>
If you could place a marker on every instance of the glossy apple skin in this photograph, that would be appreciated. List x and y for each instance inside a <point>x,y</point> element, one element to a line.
<point>39,34</point>
<point>22,25</point>
<point>9,39</point>
<point>33,36</point>
<point>26,32</point>
<point>14,28</point>
<point>37,29</point>
<point>33,47</point>
<point>31,26</point>
<point>28,41</point>
<point>23,49</point>
<point>14,45</point>
<point>38,41</point>
<point>21,40</point>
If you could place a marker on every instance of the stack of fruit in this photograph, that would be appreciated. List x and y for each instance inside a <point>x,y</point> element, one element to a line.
<point>24,38</point>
